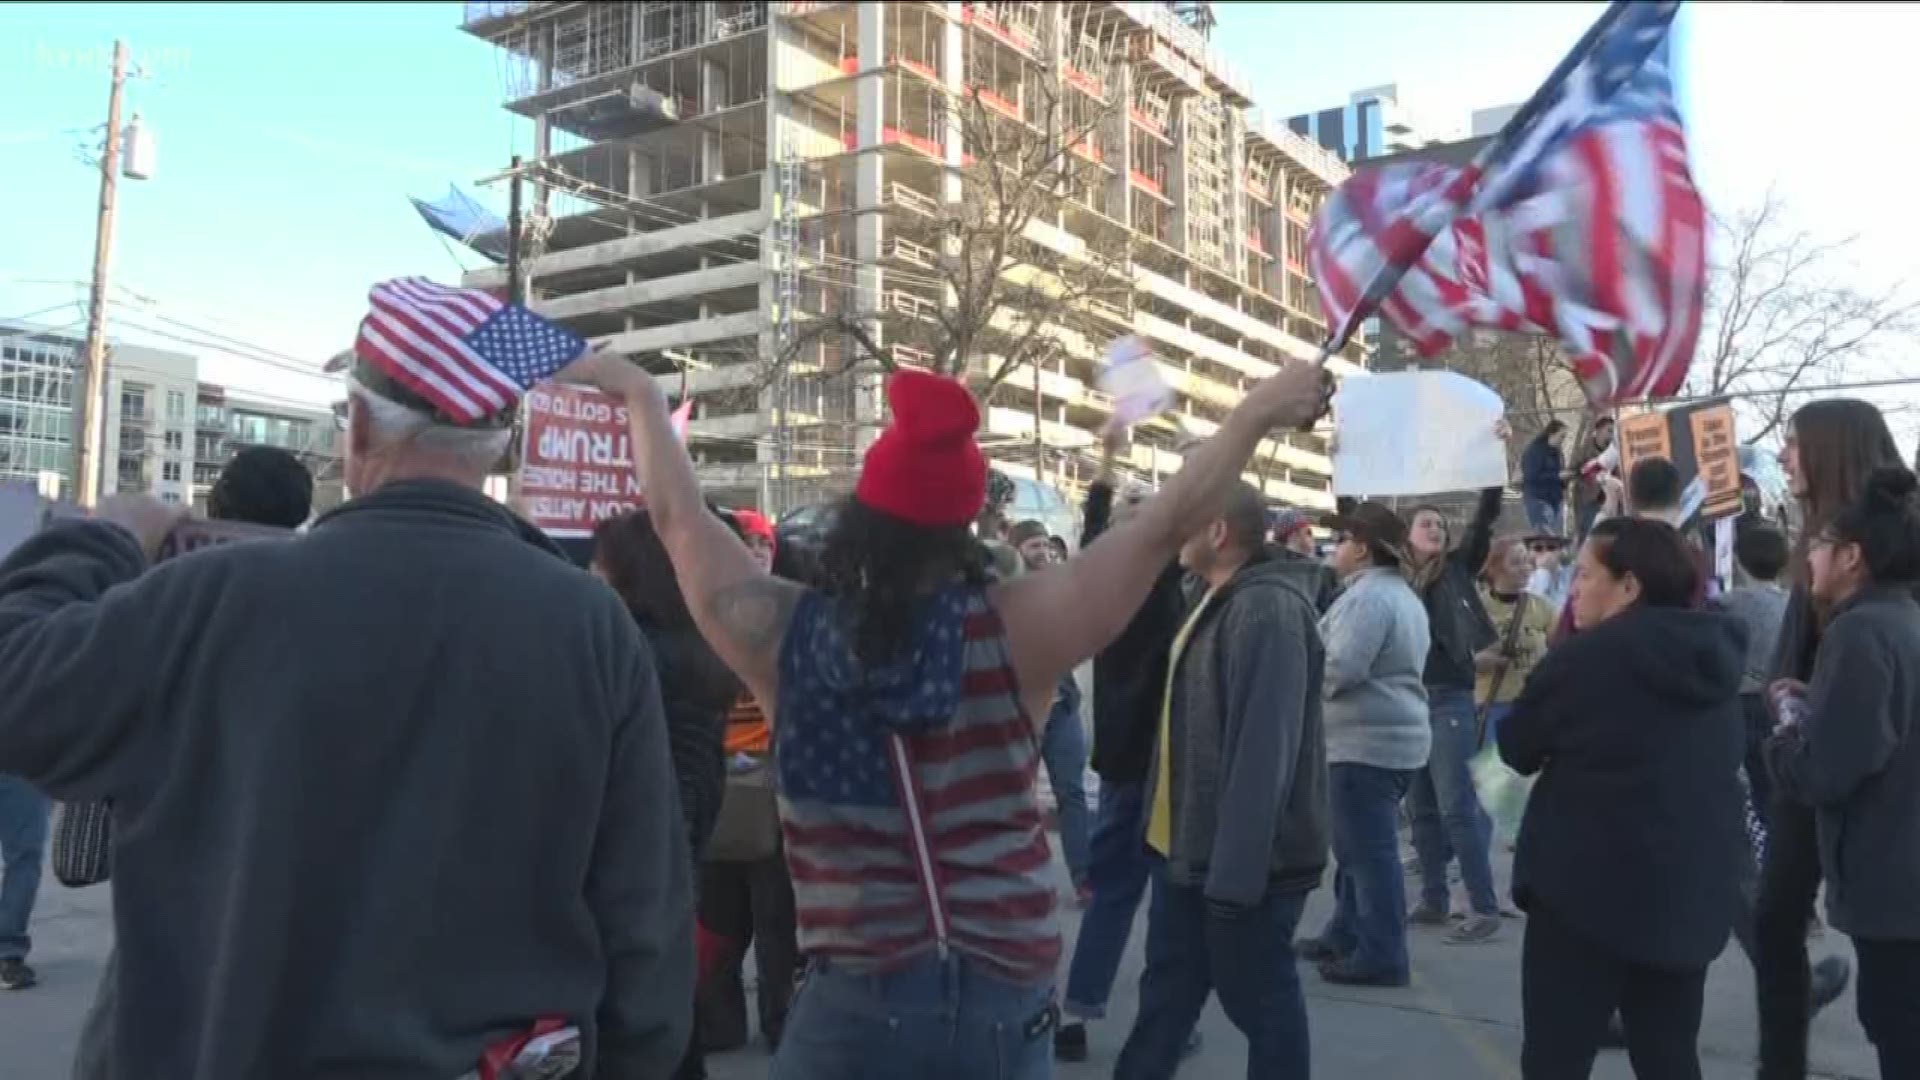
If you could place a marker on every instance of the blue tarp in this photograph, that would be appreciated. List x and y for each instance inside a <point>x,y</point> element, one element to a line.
<point>459,216</point>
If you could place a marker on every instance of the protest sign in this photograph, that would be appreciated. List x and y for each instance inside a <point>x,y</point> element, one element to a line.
<point>1131,379</point>
<point>1699,440</point>
<point>1416,433</point>
<point>577,461</point>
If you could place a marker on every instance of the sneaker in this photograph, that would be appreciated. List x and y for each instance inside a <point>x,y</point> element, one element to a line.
<point>16,975</point>
<point>1425,914</point>
<point>1830,979</point>
<point>1315,949</point>
<point>1476,929</point>
<point>1070,1042</point>
<point>1343,973</point>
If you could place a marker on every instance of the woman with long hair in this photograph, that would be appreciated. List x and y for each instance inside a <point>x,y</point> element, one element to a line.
<point>1832,447</point>
<point>696,689</point>
<point>1850,750</point>
<point>1629,852</point>
<point>1448,820</point>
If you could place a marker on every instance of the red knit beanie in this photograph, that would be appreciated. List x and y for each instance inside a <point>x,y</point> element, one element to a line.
<point>926,469</point>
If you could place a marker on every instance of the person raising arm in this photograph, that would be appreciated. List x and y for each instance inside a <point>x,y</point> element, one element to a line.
<point>1055,618</point>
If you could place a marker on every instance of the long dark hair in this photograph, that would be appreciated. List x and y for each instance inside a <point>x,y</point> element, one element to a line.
<point>630,555</point>
<point>1841,442</point>
<point>878,568</point>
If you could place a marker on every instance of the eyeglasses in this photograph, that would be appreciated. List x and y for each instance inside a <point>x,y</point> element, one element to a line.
<point>1541,549</point>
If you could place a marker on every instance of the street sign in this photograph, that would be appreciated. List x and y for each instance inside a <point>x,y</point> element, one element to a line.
<point>577,461</point>
<point>1699,440</point>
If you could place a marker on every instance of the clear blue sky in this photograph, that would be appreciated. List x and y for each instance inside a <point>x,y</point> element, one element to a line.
<point>289,135</point>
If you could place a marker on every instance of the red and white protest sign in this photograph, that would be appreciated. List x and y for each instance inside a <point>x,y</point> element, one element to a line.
<point>577,464</point>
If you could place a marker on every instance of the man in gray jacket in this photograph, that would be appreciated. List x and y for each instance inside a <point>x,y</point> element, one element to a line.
<point>1237,807</point>
<point>384,795</point>
<point>1377,739</point>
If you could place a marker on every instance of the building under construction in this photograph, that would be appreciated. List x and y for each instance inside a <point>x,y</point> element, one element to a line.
<point>709,177</point>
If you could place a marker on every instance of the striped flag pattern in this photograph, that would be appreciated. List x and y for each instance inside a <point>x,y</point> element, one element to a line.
<point>904,838</point>
<point>466,352</point>
<point>1580,220</point>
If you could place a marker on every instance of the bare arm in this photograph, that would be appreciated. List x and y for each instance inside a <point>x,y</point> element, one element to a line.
<point>1065,614</point>
<point>742,612</point>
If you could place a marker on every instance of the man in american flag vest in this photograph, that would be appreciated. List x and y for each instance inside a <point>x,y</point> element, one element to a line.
<point>907,696</point>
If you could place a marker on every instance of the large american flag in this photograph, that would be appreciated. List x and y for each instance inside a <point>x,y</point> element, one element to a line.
<point>1580,220</point>
<point>466,352</point>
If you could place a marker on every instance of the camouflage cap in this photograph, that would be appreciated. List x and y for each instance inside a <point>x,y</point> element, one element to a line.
<point>374,379</point>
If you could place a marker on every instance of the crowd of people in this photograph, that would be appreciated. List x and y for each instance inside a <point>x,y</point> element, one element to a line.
<point>412,796</point>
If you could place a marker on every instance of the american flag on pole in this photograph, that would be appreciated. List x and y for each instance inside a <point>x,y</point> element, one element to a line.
<point>1580,220</point>
<point>467,352</point>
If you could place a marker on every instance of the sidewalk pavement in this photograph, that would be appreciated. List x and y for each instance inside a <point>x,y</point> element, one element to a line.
<point>1459,1021</point>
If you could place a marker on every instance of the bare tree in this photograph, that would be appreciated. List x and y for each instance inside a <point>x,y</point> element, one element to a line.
<point>1780,322</point>
<point>982,298</point>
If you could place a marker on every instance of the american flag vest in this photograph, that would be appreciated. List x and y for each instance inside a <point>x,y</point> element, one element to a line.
<point>910,815</point>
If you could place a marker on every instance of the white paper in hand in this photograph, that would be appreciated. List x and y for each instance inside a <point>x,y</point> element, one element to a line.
<point>1416,433</point>
<point>1134,383</point>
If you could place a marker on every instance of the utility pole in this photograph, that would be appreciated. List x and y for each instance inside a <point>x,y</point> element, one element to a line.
<point>89,403</point>
<point>516,290</point>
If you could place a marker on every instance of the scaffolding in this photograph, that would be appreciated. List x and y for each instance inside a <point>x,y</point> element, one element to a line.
<point>1209,185</point>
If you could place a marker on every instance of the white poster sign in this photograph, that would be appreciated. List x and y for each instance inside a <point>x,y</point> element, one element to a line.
<point>1416,433</point>
<point>1130,377</point>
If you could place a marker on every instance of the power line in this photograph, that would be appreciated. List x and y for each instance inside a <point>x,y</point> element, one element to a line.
<point>1764,392</point>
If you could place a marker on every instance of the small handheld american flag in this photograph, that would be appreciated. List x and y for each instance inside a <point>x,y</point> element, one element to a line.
<point>464,351</point>
<point>1580,219</point>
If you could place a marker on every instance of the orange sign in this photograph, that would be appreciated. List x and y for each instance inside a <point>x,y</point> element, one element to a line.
<point>1716,460</point>
<point>1643,436</point>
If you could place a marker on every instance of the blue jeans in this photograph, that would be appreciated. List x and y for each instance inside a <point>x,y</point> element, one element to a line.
<point>23,850</point>
<point>1117,873</point>
<point>1246,957</point>
<point>1448,820</point>
<point>934,1019</point>
<point>1544,517</point>
<point>1064,749</point>
<point>1369,923</point>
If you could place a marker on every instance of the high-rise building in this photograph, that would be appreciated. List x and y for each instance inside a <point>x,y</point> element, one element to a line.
<point>707,176</point>
<point>1374,122</point>
<point>37,372</point>
<point>148,437</point>
<point>228,421</point>
<point>147,424</point>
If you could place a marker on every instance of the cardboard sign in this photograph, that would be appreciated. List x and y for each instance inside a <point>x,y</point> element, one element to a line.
<point>1643,436</point>
<point>1716,460</point>
<point>577,463</point>
<point>1700,441</point>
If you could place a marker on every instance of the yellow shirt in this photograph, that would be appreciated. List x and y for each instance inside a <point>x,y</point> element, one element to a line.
<point>1536,624</point>
<point>1160,820</point>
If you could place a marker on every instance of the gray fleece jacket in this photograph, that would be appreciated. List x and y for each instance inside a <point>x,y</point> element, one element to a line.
<point>1249,773</point>
<point>1856,761</point>
<point>383,793</point>
<point>1377,644</point>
